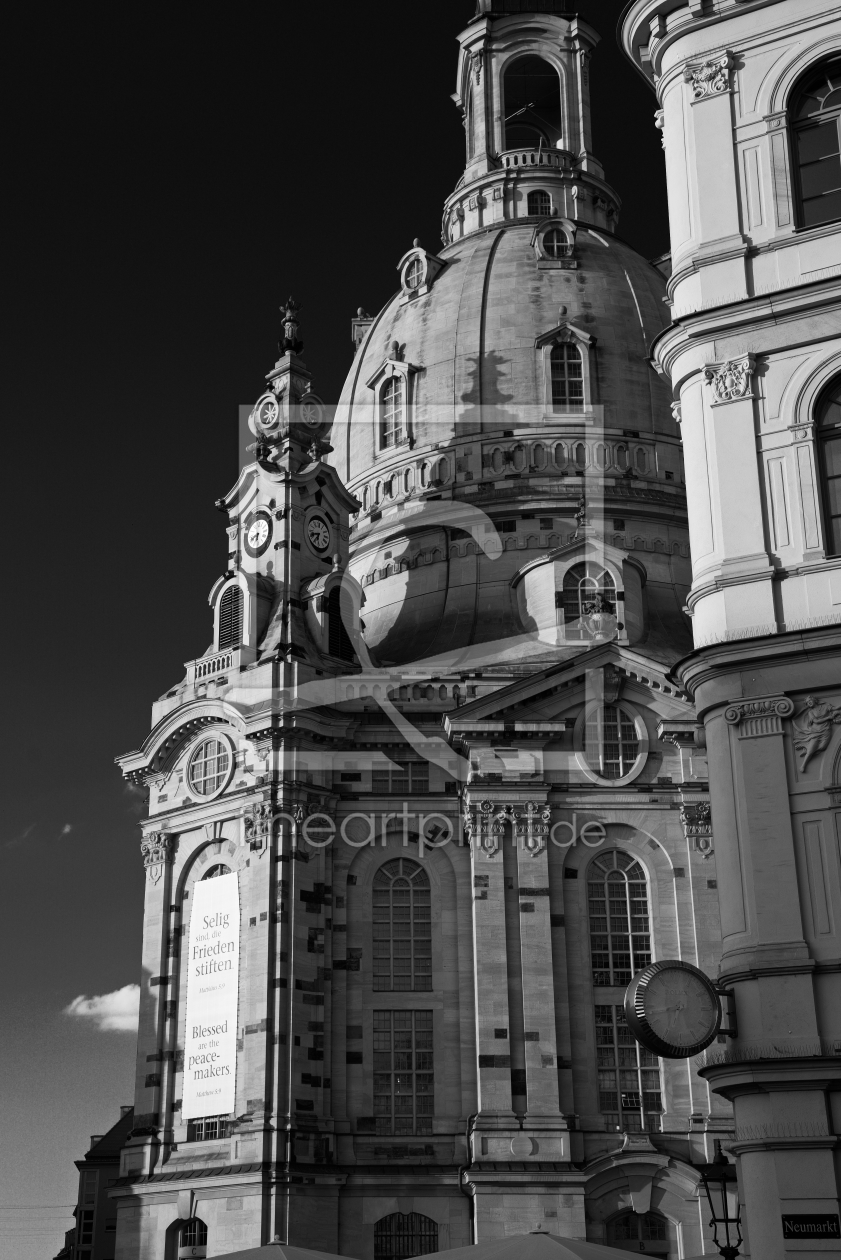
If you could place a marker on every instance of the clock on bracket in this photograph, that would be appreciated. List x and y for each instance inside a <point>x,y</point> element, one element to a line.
<point>258,533</point>
<point>318,534</point>
<point>673,1009</point>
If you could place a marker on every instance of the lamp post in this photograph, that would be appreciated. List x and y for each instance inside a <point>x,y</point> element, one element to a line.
<point>716,1178</point>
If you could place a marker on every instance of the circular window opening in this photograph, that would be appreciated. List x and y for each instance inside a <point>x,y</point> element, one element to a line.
<point>209,768</point>
<point>555,244</point>
<point>413,275</point>
<point>611,742</point>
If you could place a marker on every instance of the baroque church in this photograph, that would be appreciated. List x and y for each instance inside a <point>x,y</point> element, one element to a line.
<point>439,787</point>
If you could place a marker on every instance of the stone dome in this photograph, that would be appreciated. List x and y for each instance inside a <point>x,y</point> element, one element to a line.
<point>483,441</point>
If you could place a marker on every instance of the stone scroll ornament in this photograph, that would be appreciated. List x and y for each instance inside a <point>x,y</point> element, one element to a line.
<point>709,78</point>
<point>485,828</point>
<point>731,380</point>
<point>813,728</point>
<point>156,849</point>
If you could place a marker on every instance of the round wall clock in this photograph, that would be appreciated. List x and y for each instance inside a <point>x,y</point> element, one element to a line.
<point>318,534</point>
<point>258,534</point>
<point>672,1009</point>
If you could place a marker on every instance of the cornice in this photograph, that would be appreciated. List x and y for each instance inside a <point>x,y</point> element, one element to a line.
<point>735,655</point>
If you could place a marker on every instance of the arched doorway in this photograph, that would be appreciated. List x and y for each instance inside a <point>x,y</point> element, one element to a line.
<point>404,1234</point>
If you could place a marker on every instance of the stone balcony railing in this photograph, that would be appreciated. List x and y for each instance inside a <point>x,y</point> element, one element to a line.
<point>209,668</point>
<point>559,159</point>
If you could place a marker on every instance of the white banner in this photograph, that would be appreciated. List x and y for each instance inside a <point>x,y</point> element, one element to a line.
<point>210,1042</point>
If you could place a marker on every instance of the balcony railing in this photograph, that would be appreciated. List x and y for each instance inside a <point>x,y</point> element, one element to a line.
<point>554,158</point>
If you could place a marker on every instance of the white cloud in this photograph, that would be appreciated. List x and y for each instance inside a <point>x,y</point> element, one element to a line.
<point>109,1012</point>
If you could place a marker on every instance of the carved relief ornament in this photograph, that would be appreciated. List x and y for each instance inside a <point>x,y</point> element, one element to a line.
<point>485,826</point>
<point>697,825</point>
<point>157,848</point>
<point>813,728</point>
<point>732,380</point>
<point>709,78</point>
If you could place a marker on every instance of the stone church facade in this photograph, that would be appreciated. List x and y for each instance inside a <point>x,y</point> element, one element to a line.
<point>440,746</point>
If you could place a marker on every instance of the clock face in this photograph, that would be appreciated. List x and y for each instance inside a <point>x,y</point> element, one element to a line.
<point>268,413</point>
<point>673,1009</point>
<point>318,533</point>
<point>310,414</point>
<point>258,534</point>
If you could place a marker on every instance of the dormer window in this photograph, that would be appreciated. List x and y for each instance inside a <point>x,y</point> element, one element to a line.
<point>540,203</point>
<point>413,275</point>
<point>392,413</point>
<point>555,243</point>
<point>567,377</point>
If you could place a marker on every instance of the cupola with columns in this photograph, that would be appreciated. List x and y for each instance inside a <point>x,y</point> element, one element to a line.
<point>523,89</point>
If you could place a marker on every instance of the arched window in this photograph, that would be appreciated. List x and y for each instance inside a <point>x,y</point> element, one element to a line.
<point>230,618</point>
<point>567,375</point>
<point>650,1229</point>
<point>815,116</point>
<point>338,639</point>
<point>402,927</point>
<point>539,203</point>
<point>192,1241</point>
<point>392,408</point>
<point>587,588</point>
<point>404,1234</point>
<point>620,945</point>
<point>829,458</point>
<point>532,91</point>
<point>611,741</point>
<point>216,871</point>
<point>209,767</point>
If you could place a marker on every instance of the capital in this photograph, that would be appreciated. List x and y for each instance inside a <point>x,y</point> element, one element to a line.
<point>709,78</point>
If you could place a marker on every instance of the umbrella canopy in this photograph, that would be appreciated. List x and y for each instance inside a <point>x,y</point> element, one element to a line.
<point>518,1247</point>
<point>538,1246</point>
<point>279,1251</point>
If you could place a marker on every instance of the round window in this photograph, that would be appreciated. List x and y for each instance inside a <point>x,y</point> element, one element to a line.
<point>413,275</point>
<point>611,743</point>
<point>555,244</point>
<point>210,767</point>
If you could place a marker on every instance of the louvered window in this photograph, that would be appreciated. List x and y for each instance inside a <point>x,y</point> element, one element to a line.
<point>230,618</point>
<point>402,914</point>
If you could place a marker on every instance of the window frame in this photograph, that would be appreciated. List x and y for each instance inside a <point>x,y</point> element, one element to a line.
<point>797,127</point>
<point>829,395</point>
<point>385,940</point>
<point>225,779</point>
<point>388,1025</point>
<point>568,334</point>
<point>389,438</point>
<point>422,1237</point>
<point>578,736</point>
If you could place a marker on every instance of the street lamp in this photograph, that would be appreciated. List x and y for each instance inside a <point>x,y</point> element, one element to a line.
<point>716,1177</point>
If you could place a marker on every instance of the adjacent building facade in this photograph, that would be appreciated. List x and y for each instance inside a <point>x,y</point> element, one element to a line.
<point>439,785</point>
<point>750,97</point>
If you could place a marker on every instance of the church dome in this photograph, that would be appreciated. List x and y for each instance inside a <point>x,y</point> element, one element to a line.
<point>505,391</point>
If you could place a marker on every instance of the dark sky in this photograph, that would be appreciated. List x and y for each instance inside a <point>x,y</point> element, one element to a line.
<point>174,173</point>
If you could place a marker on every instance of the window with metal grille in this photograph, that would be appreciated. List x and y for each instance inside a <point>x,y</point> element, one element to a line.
<point>391,412</point>
<point>587,588</point>
<point>539,203</point>
<point>230,618</point>
<point>404,1234</point>
<point>555,244</point>
<point>413,276</point>
<point>408,778</point>
<point>611,741</point>
<point>402,913</point>
<point>829,439</point>
<point>338,639</point>
<point>567,377</point>
<point>620,936</point>
<point>209,767</point>
<point>404,1093</point>
<point>816,133</point>
<point>651,1228</point>
<point>207,1129</point>
<point>629,1076</point>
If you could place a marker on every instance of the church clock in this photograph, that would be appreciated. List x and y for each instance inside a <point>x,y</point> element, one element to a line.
<point>258,533</point>
<point>318,534</point>
<point>673,1009</point>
